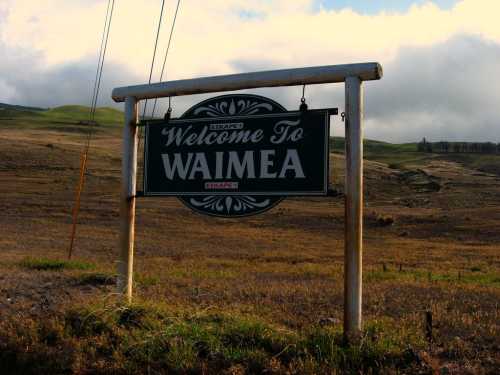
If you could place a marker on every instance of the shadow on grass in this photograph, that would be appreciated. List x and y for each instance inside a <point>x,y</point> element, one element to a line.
<point>46,264</point>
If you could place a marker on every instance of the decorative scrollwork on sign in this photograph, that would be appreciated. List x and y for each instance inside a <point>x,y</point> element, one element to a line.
<point>232,205</point>
<point>240,107</point>
<point>239,205</point>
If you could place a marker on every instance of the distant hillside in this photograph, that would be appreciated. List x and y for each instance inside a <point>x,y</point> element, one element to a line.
<point>395,155</point>
<point>15,111</point>
<point>79,113</point>
<point>74,119</point>
<point>57,118</point>
<point>4,106</point>
<point>337,144</point>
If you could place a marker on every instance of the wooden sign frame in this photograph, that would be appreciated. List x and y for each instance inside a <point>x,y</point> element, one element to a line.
<point>352,75</point>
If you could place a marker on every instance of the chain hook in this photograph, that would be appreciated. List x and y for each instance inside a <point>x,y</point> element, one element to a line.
<point>303,105</point>
<point>169,110</point>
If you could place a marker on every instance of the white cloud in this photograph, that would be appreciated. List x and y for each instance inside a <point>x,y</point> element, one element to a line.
<point>210,34</point>
<point>226,36</point>
<point>450,91</point>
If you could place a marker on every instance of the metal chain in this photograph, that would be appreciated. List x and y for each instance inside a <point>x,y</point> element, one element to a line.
<point>168,114</point>
<point>303,104</point>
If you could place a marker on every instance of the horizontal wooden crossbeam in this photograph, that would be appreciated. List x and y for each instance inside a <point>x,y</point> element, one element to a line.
<point>271,78</point>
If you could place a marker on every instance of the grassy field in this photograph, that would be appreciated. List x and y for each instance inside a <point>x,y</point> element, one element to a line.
<point>262,294</point>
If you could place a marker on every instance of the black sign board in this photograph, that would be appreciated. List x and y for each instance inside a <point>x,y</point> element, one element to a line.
<point>234,155</point>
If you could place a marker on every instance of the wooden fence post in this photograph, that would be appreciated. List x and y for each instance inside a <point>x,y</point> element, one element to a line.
<point>127,200</point>
<point>353,253</point>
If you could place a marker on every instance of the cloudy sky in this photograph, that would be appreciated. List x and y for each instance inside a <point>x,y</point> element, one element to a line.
<point>441,58</point>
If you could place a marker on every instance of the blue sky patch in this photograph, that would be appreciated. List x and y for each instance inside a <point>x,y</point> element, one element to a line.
<point>250,15</point>
<point>376,6</point>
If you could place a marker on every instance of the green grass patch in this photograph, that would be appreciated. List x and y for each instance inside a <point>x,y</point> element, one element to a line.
<point>146,280</point>
<point>485,279</point>
<point>215,274</point>
<point>472,276</point>
<point>104,115</point>
<point>46,264</point>
<point>146,338</point>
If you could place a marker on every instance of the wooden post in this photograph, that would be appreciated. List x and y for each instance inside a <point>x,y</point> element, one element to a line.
<point>353,252</point>
<point>127,200</point>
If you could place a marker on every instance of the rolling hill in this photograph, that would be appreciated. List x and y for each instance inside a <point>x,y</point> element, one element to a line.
<point>74,119</point>
<point>53,118</point>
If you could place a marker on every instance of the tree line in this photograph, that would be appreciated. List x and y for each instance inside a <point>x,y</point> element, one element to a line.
<point>459,147</point>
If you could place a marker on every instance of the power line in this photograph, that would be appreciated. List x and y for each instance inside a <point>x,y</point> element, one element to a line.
<point>152,64</point>
<point>99,60</point>
<point>166,53</point>
<point>95,96</point>
<point>102,61</point>
<point>151,71</point>
<point>154,54</point>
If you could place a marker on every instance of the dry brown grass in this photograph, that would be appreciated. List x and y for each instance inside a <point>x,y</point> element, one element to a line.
<point>284,267</point>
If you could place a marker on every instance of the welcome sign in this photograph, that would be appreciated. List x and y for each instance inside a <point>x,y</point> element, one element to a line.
<point>239,154</point>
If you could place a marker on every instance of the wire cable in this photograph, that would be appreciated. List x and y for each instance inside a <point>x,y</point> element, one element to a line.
<point>166,53</point>
<point>95,96</point>
<point>99,60</point>
<point>154,55</point>
<point>151,73</point>
<point>102,61</point>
